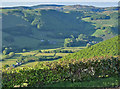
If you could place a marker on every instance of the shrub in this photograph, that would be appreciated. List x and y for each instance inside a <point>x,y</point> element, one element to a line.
<point>58,71</point>
<point>5,66</point>
<point>11,54</point>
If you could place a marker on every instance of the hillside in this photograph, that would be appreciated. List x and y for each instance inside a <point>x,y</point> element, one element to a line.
<point>64,8</point>
<point>20,27</point>
<point>60,46</point>
<point>108,47</point>
<point>47,26</point>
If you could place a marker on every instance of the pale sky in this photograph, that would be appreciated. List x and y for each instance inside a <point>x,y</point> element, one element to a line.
<point>59,0</point>
<point>10,3</point>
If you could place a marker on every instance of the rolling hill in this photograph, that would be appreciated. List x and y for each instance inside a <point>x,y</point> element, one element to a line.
<point>108,47</point>
<point>28,29</point>
<point>47,26</point>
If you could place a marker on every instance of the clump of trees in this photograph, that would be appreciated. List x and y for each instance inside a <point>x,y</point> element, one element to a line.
<point>58,50</point>
<point>81,40</point>
<point>99,17</point>
<point>6,53</point>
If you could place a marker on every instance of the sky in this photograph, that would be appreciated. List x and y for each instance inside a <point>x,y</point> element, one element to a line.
<point>11,3</point>
<point>60,0</point>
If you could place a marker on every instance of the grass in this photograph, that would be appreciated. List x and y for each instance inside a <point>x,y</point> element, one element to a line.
<point>30,64</point>
<point>53,28</point>
<point>98,33</point>
<point>97,83</point>
<point>51,54</point>
<point>8,62</point>
<point>26,53</point>
<point>74,49</point>
<point>101,23</point>
<point>13,60</point>
<point>104,82</point>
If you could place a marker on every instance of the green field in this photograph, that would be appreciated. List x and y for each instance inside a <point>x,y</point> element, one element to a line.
<point>10,61</point>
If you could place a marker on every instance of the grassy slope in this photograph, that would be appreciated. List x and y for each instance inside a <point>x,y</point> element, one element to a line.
<point>105,82</point>
<point>108,47</point>
<point>17,55</point>
<point>14,27</point>
<point>53,27</point>
<point>112,22</point>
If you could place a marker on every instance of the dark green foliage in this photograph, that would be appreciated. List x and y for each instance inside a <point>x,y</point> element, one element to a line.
<point>99,17</point>
<point>68,42</point>
<point>24,50</point>
<point>114,15</point>
<point>82,37</point>
<point>11,54</point>
<point>5,66</point>
<point>59,50</point>
<point>7,56</point>
<point>60,71</point>
<point>5,51</point>
<point>32,58</point>
<point>88,45</point>
<point>108,47</point>
<point>81,40</point>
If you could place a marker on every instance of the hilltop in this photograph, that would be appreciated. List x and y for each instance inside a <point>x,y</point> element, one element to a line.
<point>64,7</point>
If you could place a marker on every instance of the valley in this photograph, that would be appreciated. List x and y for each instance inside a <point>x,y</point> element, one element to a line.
<point>60,46</point>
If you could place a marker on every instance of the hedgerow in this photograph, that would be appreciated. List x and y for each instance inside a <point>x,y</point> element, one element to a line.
<point>59,71</point>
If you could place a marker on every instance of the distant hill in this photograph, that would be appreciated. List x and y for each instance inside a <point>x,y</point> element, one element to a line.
<point>108,47</point>
<point>47,26</point>
<point>17,7</point>
<point>20,27</point>
<point>65,8</point>
<point>34,7</point>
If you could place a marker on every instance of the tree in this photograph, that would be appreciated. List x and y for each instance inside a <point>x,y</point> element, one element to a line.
<point>5,66</point>
<point>5,51</point>
<point>38,26</point>
<point>24,50</point>
<point>72,36</point>
<point>67,42</point>
<point>81,37</point>
<point>11,54</point>
<point>55,53</point>
<point>88,45</point>
<point>20,59</point>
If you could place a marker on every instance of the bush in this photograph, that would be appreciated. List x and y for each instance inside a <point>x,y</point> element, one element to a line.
<point>11,54</point>
<point>5,66</point>
<point>24,50</point>
<point>58,71</point>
